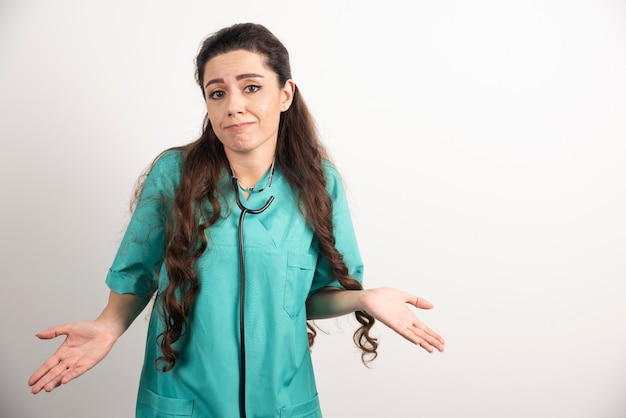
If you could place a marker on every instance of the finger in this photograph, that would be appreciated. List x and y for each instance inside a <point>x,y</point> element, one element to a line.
<point>411,333</point>
<point>73,373</point>
<point>52,362</point>
<point>45,386</point>
<point>421,339</point>
<point>429,332</point>
<point>426,346</point>
<point>421,342</point>
<point>57,376</point>
<point>429,336</point>
<point>429,344</point>
<point>44,369</point>
<point>51,379</point>
<point>433,343</point>
<point>421,303</point>
<point>53,332</point>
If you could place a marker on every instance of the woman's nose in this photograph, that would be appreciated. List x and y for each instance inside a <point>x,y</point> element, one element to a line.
<point>236,104</point>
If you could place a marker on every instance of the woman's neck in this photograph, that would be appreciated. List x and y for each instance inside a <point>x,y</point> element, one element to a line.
<point>250,170</point>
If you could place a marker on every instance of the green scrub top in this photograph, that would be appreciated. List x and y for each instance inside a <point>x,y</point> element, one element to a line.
<point>283,268</point>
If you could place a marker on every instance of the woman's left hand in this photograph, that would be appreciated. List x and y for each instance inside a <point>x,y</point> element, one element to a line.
<point>391,307</point>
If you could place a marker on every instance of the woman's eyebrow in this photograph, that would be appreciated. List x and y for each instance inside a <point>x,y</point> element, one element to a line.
<point>239,77</point>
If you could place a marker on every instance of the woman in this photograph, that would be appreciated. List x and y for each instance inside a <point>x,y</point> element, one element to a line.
<point>243,236</point>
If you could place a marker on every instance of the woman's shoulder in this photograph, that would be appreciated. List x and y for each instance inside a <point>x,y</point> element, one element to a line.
<point>168,163</point>
<point>334,182</point>
<point>163,174</point>
<point>330,170</point>
<point>170,158</point>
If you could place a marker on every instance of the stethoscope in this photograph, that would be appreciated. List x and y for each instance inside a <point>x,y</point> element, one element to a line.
<point>242,294</point>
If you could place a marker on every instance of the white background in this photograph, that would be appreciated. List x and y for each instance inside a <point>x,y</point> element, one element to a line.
<point>483,145</point>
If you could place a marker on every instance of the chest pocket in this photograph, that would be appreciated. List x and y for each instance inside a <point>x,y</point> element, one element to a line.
<point>300,271</point>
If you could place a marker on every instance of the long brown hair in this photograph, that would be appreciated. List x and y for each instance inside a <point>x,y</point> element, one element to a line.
<point>299,153</point>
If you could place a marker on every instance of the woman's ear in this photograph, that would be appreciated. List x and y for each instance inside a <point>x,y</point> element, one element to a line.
<point>287,93</point>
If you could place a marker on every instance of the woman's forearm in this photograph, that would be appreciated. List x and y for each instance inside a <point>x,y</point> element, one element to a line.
<point>121,311</point>
<point>331,302</point>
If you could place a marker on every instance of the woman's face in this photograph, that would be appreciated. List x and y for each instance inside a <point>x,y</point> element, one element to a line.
<point>244,101</point>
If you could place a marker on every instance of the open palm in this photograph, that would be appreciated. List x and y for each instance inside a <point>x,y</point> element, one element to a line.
<point>85,345</point>
<point>391,307</point>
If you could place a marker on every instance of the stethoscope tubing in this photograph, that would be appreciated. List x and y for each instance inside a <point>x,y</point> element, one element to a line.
<point>242,294</point>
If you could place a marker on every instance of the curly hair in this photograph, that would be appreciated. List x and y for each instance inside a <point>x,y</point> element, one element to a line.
<point>300,155</point>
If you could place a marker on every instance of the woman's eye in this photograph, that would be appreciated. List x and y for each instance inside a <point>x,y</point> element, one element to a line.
<point>216,94</point>
<point>252,88</point>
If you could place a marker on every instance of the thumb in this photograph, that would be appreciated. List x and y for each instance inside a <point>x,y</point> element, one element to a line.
<point>53,332</point>
<point>421,303</point>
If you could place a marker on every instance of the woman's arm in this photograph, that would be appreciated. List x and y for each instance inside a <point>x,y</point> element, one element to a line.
<point>387,305</point>
<point>330,302</point>
<point>121,311</point>
<point>86,342</point>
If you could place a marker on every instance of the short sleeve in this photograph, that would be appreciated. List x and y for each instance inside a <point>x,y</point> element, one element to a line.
<point>140,255</point>
<point>345,237</point>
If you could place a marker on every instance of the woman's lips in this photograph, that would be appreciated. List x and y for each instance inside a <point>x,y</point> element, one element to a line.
<point>239,126</point>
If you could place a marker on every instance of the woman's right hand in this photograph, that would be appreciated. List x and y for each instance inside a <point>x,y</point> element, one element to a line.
<point>86,344</point>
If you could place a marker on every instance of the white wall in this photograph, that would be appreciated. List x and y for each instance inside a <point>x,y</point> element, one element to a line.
<point>483,144</point>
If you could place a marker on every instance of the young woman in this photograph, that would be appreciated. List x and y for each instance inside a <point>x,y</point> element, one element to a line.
<point>242,236</point>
